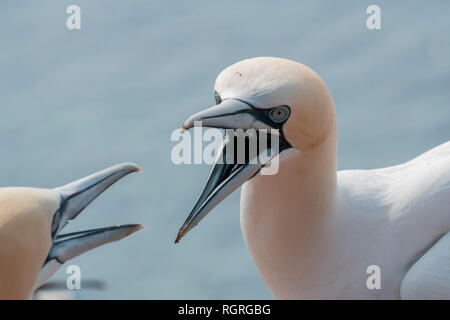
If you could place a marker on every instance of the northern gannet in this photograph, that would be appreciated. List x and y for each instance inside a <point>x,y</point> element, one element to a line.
<point>313,232</point>
<point>31,219</point>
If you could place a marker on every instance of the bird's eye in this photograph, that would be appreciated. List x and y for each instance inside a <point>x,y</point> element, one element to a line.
<point>217,97</point>
<point>279,114</point>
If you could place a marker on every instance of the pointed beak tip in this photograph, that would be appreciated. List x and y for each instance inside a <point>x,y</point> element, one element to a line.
<point>136,228</point>
<point>179,236</point>
<point>133,167</point>
<point>77,195</point>
<point>185,127</point>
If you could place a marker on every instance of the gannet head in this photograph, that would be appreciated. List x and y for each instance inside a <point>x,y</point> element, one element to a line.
<point>31,219</point>
<point>262,93</point>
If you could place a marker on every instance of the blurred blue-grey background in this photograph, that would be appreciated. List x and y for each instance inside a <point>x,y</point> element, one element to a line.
<point>74,102</point>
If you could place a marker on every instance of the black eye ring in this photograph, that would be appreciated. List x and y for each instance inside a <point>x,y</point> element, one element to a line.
<point>279,114</point>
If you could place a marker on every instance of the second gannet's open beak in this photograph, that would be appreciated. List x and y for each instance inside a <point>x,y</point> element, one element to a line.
<point>70,245</point>
<point>79,194</point>
<point>227,176</point>
<point>75,197</point>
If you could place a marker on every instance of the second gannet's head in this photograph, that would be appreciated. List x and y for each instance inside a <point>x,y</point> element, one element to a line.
<point>262,93</point>
<point>31,219</point>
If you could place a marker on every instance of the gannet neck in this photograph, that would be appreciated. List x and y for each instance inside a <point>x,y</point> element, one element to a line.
<point>315,168</point>
<point>281,214</point>
<point>25,236</point>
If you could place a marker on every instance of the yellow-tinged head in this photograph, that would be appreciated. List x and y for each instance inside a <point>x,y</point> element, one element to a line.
<point>268,82</point>
<point>26,216</point>
<point>31,246</point>
<point>262,93</point>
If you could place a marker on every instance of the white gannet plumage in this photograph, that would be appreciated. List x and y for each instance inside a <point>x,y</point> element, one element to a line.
<point>313,231</point>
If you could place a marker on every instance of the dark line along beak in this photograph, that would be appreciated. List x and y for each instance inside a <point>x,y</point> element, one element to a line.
<point>226,177</point>
<point>230,114</point>
<point>79,194</point>
<point>70,245</point>
<point>75,197</point>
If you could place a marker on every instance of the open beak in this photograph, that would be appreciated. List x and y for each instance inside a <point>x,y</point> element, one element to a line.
<point>75,197</point>
<point>70,245</point>
<point>227,176</point>
<point>79,194</point>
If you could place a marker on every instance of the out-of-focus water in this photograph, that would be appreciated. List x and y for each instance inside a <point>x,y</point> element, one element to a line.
<point>74,102</point>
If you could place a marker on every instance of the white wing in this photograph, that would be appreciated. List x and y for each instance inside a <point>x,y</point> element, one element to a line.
<point>429,277</point>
